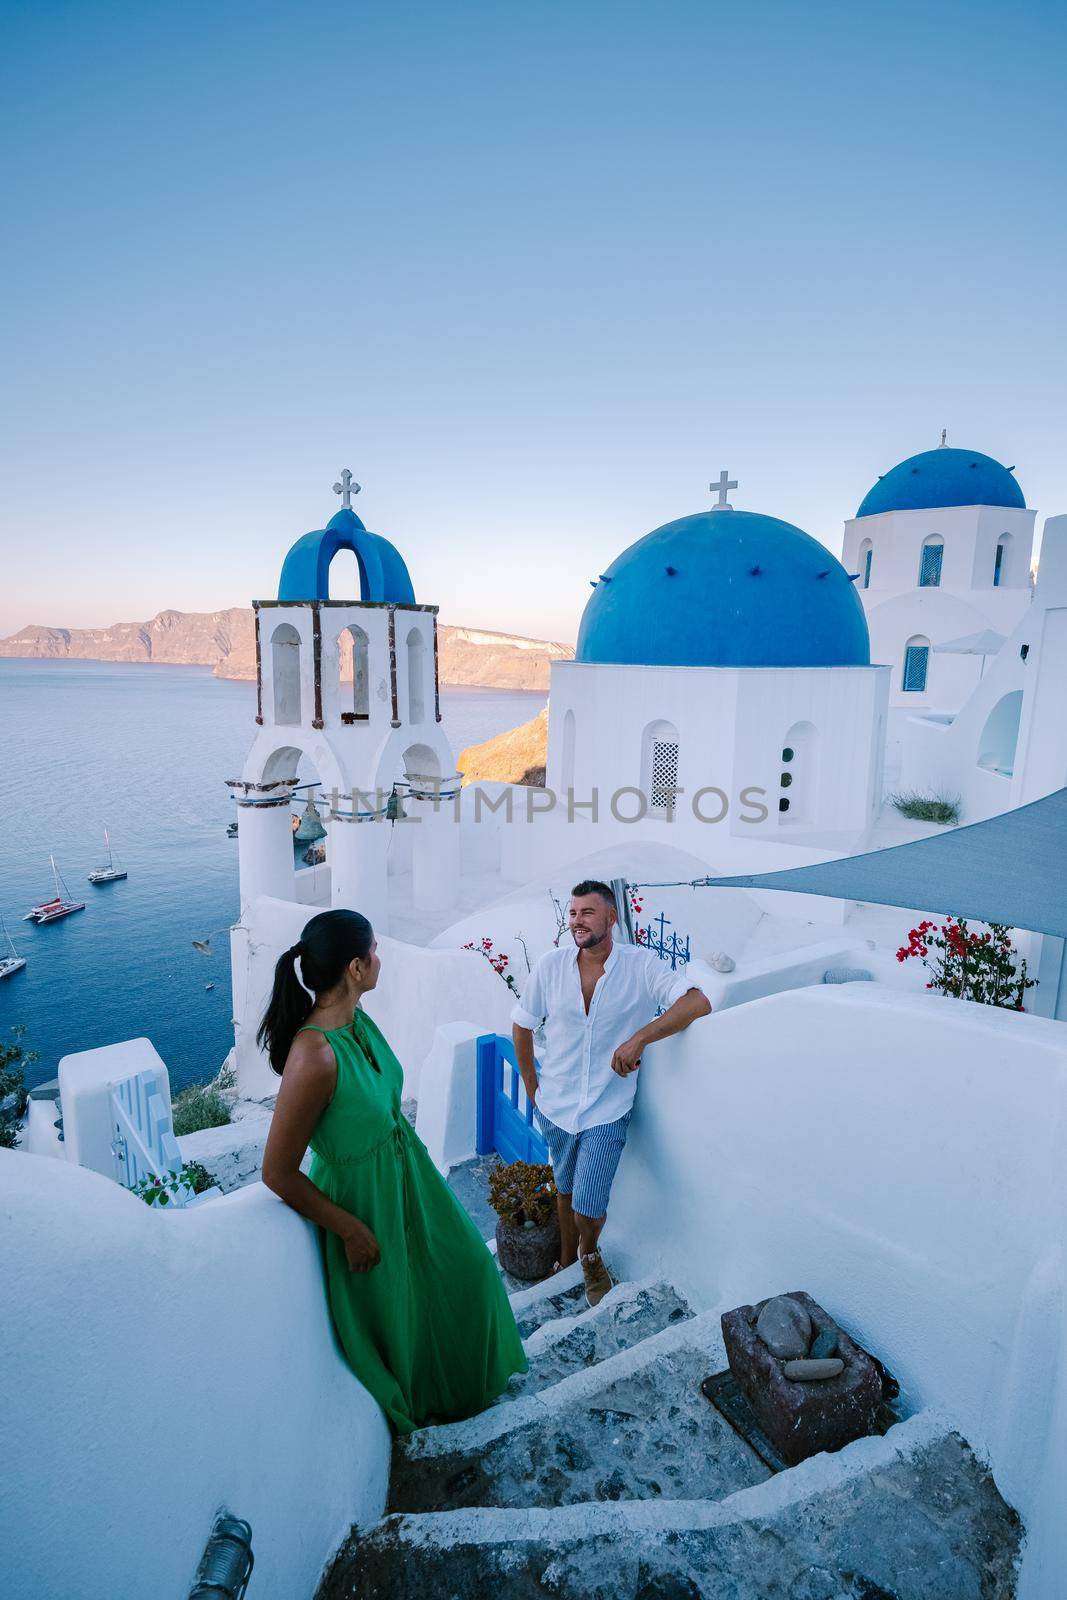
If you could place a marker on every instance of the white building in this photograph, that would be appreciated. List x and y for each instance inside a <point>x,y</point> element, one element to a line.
<point>941,549</point>
<point>1007,743</point>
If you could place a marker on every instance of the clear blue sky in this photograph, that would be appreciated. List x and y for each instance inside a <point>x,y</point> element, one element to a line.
<point>534,272</point>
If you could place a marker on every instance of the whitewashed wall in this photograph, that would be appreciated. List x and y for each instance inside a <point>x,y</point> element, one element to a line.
<point>904,1159</point>
<point>964,602</point>
<point>160,1366</point>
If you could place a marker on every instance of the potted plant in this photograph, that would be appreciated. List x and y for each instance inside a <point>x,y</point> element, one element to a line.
<point>527,1232</point>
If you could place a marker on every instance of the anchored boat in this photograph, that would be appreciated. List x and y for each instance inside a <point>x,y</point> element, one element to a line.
<point>61,906</point>
<point>110,873</point>
<point>12,962</point>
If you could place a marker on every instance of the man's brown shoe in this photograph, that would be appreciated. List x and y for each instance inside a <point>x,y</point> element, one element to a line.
<point>597,1277</point>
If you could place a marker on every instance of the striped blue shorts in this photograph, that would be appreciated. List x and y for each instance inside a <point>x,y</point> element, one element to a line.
<point>584,1164</point>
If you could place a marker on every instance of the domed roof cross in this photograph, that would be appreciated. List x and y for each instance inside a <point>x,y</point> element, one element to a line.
<point>346,489</point>
<point>724,485</point>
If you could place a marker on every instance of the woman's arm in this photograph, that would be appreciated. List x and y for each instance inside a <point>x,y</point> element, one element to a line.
<point>307,1087</point>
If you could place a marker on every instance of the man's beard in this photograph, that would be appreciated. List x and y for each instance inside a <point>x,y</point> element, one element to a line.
<point>593,939</point>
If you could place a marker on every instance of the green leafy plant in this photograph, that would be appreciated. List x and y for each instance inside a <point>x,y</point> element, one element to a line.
<point>203,1105</point>
<point>918,807</point>
<point>162,1189</point>
<point>14,1059</point>
<point>970,966</point>
<point>522,1192</point>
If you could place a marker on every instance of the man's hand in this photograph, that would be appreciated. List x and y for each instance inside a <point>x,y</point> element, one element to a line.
<point>627,1057</point>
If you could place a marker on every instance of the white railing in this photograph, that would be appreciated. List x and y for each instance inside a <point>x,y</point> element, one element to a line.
<point>144,1144</point>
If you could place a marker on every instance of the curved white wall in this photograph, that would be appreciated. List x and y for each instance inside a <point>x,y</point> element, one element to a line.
<point>904,1159</point>
<point>162,1365</point>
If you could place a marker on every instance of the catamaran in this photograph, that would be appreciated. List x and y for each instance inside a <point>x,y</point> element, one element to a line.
<point>13,962</point>
<point>61,906</point>
<point>110,873</point>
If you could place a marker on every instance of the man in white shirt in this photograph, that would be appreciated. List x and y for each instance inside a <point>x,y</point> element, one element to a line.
<point>599,1002</point>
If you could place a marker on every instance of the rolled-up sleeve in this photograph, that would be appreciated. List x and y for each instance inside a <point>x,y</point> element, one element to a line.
<point>530,1009</point>
<point>666,986</point>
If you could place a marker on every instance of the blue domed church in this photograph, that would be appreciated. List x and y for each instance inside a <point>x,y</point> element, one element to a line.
<point>722,690</point>
<point>942,544</point>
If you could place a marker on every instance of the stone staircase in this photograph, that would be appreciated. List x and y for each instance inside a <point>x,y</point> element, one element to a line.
<point>604,1473</point>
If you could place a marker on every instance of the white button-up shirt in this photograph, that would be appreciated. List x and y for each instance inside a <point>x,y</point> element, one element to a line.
<point>577,1088</point>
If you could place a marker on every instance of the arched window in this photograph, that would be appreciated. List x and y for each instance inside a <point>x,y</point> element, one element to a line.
<point>866,561</point>
<point>930,565</point>
<point>285,673</point>
<point>359,666</point>
<point>1000,559</point>
<point>798,780</point>
<point>416,676</point>
<point>567,763</point>
<point>659,767</point>
<point>996,747</point>
<point>916,664</point>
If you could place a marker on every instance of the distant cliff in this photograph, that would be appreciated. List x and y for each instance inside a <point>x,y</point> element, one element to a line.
<point>225,641</point>
<point>517,756</point>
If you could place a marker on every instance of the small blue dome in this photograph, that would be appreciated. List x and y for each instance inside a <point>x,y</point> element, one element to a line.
<point>943,477</point>
<point>725,589</point>
<point>383,575</point>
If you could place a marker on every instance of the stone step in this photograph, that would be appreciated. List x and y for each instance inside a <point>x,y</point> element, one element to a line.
<point>635,1426</point>
<point>562,1295</point>
<point>630,1313</point>
<point>911,1516</point>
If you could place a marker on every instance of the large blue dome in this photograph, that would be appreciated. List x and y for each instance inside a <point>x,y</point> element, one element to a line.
<point>725,589</point>
<point>943,477</point>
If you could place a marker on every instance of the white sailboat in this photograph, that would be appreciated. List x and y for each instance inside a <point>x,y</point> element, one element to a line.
<point>110,873</point>
<point>61,906</point>
<point>13,962</point>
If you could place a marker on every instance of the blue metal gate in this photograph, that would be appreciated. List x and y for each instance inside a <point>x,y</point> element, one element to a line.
<point>505,1114</point>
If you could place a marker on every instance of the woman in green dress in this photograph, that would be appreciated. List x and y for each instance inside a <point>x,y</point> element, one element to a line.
<point>418,1304</point>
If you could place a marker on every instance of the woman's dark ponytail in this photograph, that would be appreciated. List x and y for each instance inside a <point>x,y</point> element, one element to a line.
<point>327,945</point>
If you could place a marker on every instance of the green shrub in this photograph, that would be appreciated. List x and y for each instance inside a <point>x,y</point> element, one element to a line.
<point>14,1058</point>
<point>918,807</point>
<point>203,1105</point>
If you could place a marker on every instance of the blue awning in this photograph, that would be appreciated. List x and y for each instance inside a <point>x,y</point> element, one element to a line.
<point>1011,868</point>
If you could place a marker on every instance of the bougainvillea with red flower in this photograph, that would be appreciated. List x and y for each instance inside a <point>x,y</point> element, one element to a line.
<point>970,965</point>
<point>497,959</point>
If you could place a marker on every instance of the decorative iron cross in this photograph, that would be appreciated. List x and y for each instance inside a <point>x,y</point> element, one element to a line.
<point>724,485</point>
<point>346,489</point>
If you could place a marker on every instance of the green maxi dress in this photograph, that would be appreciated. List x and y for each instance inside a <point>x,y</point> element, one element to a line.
<point>429,1331</point>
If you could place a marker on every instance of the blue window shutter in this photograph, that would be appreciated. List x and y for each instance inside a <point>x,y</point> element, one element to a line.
<point>916,658</point>
<point>998,566</point>
<point>930,569</point>
<point>867,569</point>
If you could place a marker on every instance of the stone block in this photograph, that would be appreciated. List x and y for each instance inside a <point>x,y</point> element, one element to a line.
<point>800,1419</point>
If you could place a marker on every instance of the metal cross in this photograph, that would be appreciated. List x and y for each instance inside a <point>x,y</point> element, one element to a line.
<point>346,489</point>
<point>724,485</point>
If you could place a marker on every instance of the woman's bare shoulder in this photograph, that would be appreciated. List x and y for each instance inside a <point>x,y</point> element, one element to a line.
<point>311,1056</point>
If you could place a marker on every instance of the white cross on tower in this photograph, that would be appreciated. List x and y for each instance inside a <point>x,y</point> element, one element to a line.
<point>724,485</point>
<point>346,489</point>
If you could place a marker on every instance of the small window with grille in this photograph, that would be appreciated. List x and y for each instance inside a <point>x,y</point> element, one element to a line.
<point>663,785</point>
<point>930,566</point>
<point>916,660</point>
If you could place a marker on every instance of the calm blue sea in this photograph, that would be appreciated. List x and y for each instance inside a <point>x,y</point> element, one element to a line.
<point>145,751</point>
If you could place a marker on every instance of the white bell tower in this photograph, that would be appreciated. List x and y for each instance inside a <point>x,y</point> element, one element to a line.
<point>352,686</point>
